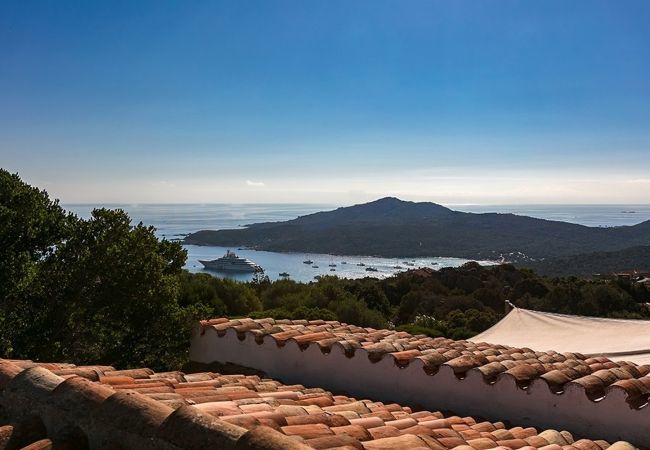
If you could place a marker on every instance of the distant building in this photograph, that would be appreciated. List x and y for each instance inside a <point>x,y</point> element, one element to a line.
<point>628,276</point>
<point>624,276</point>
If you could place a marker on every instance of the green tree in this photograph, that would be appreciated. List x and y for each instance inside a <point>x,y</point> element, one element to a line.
<point>199,289</point>
<point>284,293</point>
<point>357,312</point>
<point>370,292</point>
<point>239,298</point>
<point>109,294</point>
<point>31,228</point>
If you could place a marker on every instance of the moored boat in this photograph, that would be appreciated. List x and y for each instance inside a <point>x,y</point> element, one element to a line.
<point>230,262</point>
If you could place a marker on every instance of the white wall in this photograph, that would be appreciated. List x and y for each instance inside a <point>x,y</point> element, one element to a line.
<point>610,418</point>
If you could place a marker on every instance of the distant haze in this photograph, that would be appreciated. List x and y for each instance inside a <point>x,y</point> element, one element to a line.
<point>332,102</point>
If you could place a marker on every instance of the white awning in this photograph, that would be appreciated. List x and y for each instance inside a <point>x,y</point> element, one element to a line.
<point>617,339</point>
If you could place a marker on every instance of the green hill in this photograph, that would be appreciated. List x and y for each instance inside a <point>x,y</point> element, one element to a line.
<point>589,264</point>
<point>393,228</point>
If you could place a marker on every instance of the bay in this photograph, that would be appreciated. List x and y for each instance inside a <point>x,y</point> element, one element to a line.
<point>173,221</point>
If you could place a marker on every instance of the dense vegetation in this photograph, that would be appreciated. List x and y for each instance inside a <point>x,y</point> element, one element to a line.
<point>106,291</point>
<point>391,227</point>
<point>589,264</point>
<point>457,303</point>
<point>97,290</point>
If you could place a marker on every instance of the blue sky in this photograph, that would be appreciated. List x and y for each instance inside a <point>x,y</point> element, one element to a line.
<point>330,101</point>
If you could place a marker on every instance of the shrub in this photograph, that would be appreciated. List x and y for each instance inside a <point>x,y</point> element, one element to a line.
<point>415,329</point>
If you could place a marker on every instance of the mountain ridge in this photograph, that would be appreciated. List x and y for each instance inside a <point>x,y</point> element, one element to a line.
<point>395,228</point>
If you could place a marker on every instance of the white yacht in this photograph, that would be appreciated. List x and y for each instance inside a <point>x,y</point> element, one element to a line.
<point>232,263</point>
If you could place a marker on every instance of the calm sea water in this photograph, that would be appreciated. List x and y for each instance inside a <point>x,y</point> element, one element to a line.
<point>589,215</point>
<point>174,221</point>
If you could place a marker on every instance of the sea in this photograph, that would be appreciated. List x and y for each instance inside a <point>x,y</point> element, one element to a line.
<point>173,221</point>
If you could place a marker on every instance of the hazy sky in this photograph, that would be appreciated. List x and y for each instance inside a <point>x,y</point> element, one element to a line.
<point>328,101</point>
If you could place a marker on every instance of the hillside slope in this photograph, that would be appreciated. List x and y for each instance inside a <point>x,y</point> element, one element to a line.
<point>589,264</point>
<point>392,227</point>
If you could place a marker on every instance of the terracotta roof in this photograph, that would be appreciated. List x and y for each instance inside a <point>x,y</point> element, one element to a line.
<point>99,407</point>
<point>597,375</point>
<point>61,406</point>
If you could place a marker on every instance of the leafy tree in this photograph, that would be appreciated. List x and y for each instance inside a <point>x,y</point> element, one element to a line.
<point>200,289</point>
<point>534,287</point>
<point>111,294</point>
<point>371,293</point>
<point>89,291</point>
<point>283,293</point>
<point>31,227</point>
<point>414,302</point>
<point>357,312</point>
<point>465,324</point>
<point>239,298</point>
<point>478,321</point>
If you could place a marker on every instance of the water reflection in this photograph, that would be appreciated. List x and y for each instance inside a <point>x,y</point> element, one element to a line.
<point>305,267</point>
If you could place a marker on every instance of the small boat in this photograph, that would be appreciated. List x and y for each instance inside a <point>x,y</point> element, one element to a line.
<point>332,265</point>
<point>284,275</point>
<point>361,264</point>
<point>371,269</point>
<point>344,262</point>
<point>332,270</point>
<point>398,267</point>
<point>314,266</point>
<point>309,261</point>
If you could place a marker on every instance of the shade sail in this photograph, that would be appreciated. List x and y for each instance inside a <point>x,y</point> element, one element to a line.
<point>617,339</point>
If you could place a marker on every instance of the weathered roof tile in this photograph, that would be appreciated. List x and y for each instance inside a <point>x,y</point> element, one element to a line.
<point>189,410</point>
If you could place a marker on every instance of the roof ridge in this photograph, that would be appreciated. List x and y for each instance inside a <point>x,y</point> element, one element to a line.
<point>435,373</point>
<point>172,410</point>
<point>102,415</point>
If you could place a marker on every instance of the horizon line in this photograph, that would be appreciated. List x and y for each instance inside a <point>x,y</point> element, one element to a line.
<point>341,205</point>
